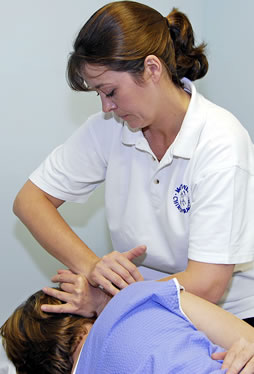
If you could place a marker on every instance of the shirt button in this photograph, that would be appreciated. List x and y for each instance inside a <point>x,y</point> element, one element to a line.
<point>156,181</point>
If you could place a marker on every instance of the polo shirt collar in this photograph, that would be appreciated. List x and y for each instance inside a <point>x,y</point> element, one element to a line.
<point>187,139</point>
<point>192,126</point>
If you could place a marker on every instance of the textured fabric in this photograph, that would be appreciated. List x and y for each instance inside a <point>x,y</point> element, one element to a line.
<point>143,331</point>
<point>196,203</point>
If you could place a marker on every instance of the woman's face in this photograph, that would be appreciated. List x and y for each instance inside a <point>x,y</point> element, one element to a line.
<point>119,92</point>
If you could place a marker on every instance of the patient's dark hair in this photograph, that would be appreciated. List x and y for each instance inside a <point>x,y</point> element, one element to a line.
<point>122,34</point>
<point>42,343</point>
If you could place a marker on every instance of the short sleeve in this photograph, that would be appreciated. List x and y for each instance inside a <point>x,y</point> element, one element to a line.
<point>222,219</point>
<point>74,169</point>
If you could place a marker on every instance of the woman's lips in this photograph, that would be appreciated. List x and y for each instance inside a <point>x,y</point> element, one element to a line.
<point>124,116</point>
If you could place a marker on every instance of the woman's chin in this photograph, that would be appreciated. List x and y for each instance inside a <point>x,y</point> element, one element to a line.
<point>134,124</point>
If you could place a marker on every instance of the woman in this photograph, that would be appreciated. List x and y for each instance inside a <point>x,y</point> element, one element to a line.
<point>147,328</point>
<point>178,169</point>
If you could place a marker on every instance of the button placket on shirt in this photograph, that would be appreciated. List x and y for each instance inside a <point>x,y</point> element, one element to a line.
<point>157,187</point>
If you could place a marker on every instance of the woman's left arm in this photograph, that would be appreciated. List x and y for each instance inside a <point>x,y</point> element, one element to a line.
<point>208,281</point>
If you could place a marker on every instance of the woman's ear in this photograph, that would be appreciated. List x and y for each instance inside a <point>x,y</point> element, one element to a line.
<point>153,68</point>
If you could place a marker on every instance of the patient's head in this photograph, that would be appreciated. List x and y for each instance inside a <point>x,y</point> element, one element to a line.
<point>39,342</point>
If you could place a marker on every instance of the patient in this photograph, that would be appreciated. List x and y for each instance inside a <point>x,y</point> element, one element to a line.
<point>147,328</point>
<point>38,342</point>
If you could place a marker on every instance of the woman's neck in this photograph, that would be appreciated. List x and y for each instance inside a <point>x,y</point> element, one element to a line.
<point>173,107</point>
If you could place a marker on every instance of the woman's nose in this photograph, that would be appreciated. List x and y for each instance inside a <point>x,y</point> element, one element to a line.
<point>107,104</point>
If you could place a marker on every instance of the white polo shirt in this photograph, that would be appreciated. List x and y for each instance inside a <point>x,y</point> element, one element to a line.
<point>196,203</point>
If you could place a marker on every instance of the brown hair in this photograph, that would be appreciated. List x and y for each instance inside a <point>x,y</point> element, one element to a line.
<point>39,342</point>
<point>122,34</point>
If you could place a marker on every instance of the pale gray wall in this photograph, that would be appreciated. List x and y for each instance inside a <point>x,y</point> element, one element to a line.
<point>229,31</point>
<point>39,111</point>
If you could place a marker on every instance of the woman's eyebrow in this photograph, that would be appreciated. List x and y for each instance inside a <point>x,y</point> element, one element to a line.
<point>98,86</point>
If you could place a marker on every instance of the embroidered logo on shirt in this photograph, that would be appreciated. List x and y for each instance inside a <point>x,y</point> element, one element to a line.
<point>181,198</point>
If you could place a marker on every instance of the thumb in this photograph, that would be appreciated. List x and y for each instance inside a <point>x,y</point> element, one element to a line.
<point>135,252</point>
<point>218,355</point>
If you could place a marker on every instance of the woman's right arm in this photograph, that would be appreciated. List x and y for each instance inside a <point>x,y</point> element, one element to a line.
<point>38,211</point>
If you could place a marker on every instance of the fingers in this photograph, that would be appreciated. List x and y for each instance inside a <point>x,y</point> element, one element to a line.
<point>130,255</point>
<point>78,295</point>
<point>219,355</point>
<point>240,356</point>
<point>104,277</point>
<point>106,285</point>
<point>122,266</point>
<point>64,276</point>
<point>61,271</point>
<point>129,271</point>
<point>249,368</point>
<point>230,358</point>
<point>62,308</point>
<point>116,271</point>
<point>135,252</point>
<point>112,272</point>
<point>60,295</point>
<point>238,363</point>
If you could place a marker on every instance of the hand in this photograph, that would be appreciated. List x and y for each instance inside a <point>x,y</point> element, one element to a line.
<point>116,271</point>
<point>239,358</point>
<point>79,296</point>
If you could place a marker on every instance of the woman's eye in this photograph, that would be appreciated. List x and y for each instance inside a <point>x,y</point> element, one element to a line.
<point>111,93</point>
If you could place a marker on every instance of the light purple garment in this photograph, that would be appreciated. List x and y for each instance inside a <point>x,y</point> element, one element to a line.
<point>143,331</point>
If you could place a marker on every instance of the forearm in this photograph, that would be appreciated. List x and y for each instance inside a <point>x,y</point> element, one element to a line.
<point>38,211</point>
<point>194,285</point>
<point>48,227</point>
<point>221,327</point>
<point>205,280</point>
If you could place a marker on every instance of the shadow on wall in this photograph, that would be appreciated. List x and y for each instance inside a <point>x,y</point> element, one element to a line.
<point>42,261</point>
<point>87,220</point>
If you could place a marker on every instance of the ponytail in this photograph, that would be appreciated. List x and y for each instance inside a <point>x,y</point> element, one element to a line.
<point>191,61</point>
